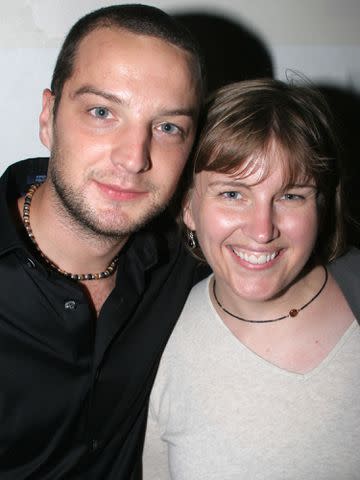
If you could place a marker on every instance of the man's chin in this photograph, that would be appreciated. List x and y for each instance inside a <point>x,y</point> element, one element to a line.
<point>124,227</point>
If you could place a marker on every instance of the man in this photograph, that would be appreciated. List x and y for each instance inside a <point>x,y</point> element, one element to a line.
<point>87,304</point>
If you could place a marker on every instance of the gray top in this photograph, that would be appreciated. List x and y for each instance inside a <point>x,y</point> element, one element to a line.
<point>220,411</point>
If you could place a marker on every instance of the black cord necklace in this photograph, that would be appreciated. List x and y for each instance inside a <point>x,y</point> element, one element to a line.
<point>292,313</point>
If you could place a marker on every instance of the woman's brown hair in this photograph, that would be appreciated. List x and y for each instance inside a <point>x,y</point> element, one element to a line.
<point>244,120</point>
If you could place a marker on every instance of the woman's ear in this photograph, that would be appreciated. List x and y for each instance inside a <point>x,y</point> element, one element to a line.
<point>188,217</point>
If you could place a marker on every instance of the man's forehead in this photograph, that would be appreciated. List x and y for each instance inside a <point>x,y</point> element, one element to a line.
<point>122,37</point>
<point>125,42</point>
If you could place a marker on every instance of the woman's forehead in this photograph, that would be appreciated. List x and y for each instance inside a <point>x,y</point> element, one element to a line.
<point>259,167</point>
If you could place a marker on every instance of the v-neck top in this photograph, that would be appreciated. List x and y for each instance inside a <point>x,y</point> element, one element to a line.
<point>220,411</point>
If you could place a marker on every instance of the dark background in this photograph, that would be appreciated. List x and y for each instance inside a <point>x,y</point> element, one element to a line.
<point>233,53</point>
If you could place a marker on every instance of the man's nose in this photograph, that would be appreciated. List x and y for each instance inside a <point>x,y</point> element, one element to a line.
<point>131,149</point>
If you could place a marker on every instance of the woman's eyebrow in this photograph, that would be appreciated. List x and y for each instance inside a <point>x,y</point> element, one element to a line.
<point>300,185</point>
<point>228,183</point>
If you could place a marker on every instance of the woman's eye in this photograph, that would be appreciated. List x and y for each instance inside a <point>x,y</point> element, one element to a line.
<point>232,195</point>
<point>100,112</point>
<point>292,196</point>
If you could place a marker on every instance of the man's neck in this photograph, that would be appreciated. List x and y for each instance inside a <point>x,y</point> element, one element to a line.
<point>67,245</point>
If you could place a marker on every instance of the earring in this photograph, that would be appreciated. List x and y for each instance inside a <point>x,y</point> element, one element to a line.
<point>191,239</point>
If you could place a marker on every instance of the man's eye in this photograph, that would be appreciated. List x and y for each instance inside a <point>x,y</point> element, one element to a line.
<point>232,195</point>
<point>169,128</point>
<point>100,112</point>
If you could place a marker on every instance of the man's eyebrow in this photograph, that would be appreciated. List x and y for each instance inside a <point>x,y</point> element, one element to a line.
<point>179,112</point>
<point>86,89</point>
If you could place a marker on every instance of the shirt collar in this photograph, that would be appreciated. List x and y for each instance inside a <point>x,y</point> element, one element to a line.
<point>13,184</point>
<point>152,246</point>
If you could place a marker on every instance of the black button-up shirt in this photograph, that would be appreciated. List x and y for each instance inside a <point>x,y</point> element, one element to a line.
<point>73,389</point>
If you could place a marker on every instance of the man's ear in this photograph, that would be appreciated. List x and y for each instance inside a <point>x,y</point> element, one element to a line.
<point>46,119</point>
<point>187,212</point>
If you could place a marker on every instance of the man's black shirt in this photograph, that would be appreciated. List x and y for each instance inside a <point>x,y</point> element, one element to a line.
<point>73,388</point>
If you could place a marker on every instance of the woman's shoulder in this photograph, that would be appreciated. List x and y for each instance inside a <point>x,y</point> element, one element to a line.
<point>192,329</point>
<point>182,358</point>
<point>195,311</point>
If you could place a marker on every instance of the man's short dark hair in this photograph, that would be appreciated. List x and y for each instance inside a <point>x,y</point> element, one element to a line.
<point>136,18</point>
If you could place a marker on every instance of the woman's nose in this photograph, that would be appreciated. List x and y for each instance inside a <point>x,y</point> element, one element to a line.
<point>261,225</point>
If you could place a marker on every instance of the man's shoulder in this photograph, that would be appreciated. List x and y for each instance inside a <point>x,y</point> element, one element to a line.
<point>29,164</point>
<point>161,244</point>
<point>20,175</point>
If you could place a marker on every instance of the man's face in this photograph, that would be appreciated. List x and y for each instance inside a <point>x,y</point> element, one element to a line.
<point>123,130</point>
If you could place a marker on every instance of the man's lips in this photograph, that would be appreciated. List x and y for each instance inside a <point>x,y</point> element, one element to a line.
<point>117,192</point>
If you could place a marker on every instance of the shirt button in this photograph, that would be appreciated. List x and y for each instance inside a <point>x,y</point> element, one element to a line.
<point>30,263</point>
<point>70,305</point>
<point>94,445</point>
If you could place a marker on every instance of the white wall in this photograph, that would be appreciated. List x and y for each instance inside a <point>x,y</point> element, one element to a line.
<point>320,38</point>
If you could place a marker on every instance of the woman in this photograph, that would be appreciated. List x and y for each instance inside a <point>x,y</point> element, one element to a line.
<point>261,378</point>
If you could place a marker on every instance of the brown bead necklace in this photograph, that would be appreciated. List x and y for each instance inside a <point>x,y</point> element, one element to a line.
<point>292,313</point>
<point>74,276</point>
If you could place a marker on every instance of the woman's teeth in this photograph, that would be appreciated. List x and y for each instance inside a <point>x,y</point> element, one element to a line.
<point>256,259</point>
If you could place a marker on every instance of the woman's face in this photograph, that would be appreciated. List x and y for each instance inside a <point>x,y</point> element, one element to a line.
<point>256,236</point>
